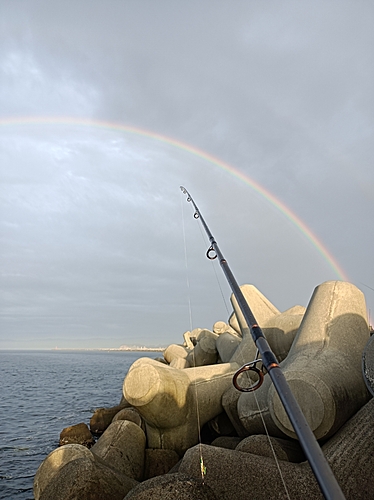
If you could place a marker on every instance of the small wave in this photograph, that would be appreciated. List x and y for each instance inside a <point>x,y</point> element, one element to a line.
<point>32,426</point>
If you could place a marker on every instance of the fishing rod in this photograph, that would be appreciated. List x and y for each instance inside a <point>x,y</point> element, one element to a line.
<point>317,461</point>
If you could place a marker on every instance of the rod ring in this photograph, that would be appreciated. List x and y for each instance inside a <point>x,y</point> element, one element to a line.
<point>208,253</point>
<point>245,368</point>
<point>196,215</point>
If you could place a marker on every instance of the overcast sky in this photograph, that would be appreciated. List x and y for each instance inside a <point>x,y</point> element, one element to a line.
<point>92,217</point>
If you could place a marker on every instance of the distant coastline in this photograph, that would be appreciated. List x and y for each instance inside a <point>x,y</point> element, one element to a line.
<point>121,348</point>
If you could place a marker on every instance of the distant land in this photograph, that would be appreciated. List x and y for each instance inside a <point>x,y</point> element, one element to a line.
<point>120,348</point>
<point>135,348</point>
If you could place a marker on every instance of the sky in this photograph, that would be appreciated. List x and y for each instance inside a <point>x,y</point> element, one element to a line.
<point>264,111</point>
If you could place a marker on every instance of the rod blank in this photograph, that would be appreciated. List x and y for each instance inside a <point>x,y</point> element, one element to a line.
<point>318,463</point>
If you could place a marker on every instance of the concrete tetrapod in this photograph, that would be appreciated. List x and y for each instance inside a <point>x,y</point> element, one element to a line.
<point>253,411</point>
<point>234,474</point>
<point>220,327</point>
<point>72,471</point>
<point>187,340</point>
<point>176,356</point>
<point>226,344</point>
<point>246,410</point>
<point>54,461</point>
<point>262,309</point>
<point>171,487</point>
<point>323,367</point>
<point>175,351</point>
<point>175,403</point>
<point>280,330</point>
<point>84,479</point>
<point>205,351</point>
<point>368,365</point>
<point>122,448</point>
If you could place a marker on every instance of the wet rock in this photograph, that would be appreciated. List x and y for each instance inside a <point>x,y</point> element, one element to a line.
<point>77,434</point>
<point>103,417</point>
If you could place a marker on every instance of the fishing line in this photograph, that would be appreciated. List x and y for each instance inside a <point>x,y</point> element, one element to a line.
<point>202,466</point>
<point>271,446</point>
<point>246,374</point>
<point>186,267</point>
<point>203,235</point>
<point>328,484</point>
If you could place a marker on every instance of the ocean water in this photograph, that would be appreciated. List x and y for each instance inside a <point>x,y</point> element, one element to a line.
<point>41,392</point>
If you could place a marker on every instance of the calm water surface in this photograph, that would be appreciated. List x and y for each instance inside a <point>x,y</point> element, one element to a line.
<point>41,393</point>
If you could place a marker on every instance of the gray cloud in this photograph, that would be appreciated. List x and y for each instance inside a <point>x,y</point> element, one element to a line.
<point>92,249</point>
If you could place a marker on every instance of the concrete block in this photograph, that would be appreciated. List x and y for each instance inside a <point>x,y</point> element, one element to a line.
<point>262,309</point>
<point>280,330</point>
<point>260,306</point>
<point>122,447</point>
<point>323,367</point>
<point>172,487</point>
<point>368,365</point>
<point>237,475</point>
<point>226,345</point>
<point>86,479</point>
<point>129,414</point>
<point>54,461</point>
<point>220,327</point>
<point>229,442</point>
<point>175,402</point>
<point>175,351</point>
<point>159,461</point>
<point>267,446</point>
<point>205,351</point>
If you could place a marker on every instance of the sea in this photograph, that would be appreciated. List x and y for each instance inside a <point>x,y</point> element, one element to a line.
<point>41,393</point>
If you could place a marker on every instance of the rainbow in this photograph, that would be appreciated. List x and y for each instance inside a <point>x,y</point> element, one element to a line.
<point>267,195</point>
